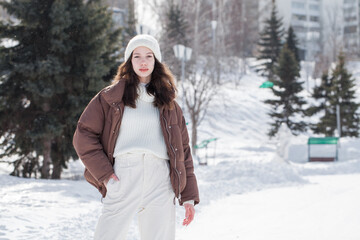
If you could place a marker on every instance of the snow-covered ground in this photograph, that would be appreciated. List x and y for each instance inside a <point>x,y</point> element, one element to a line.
<point>239,201</point>
<point>253,187</point>
<point>325,208</point>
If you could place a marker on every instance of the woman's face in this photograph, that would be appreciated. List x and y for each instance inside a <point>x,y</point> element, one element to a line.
<point>143,62</point>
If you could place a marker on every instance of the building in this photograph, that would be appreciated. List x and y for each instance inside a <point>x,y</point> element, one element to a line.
<point>120,10</point>
<point>323,27</point>
<point>305,16</point>
<point>239,25</point>
<point>351,14</point>
<point>119,16</point>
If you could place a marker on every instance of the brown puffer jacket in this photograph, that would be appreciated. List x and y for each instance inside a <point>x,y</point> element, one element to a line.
<point>97,130</point>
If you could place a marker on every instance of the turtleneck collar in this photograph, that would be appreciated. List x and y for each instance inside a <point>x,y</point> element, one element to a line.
<point>143,95</point>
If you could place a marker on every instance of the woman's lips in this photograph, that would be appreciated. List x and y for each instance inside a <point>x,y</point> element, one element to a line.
<point>143,70</point>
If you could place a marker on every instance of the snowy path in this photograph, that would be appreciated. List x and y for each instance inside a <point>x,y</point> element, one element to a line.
<point>327,208</point>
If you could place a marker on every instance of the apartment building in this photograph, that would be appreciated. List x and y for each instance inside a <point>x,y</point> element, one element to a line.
<point>305,16</point>
<point>322,26</point>
<point>351,13</point>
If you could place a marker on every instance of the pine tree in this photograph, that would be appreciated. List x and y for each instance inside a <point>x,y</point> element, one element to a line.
<point>175,32</point>
<point>60,54</point>
<point>270,43</point>
<point>292,43</point>
<point>176,27</point>
<point>339,89</point>
<point>130,29</point>
<point>345,92</point>
<point>322,95</point>
<point>345,96</point>
<point>288,106</point>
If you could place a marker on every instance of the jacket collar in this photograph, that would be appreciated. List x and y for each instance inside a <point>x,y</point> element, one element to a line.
<point>114,93</point>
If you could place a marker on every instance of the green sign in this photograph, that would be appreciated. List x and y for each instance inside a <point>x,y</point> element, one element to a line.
<point>267,84</point>
<point>323,140</point>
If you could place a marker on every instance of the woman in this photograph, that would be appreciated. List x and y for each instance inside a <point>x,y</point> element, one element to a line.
<point>133,141</point>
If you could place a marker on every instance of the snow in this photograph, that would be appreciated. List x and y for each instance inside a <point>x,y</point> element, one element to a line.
<point>253,187</point>
<point>326,208</point>
<point>47,209</point>
<point>8,43</point>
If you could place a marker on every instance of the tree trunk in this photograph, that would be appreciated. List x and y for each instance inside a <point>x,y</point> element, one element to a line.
<point>45,169</point>
<point>57,169</point>
<point>196,31</point>
<point>193,134</point>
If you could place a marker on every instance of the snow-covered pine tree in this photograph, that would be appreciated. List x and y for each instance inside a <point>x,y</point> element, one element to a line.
<point>339,89</point>
<point>287,107</point>
<point>57,55</point>
<point>292,43</point>
<point>270,43</point>
<point>344,96</point>
<point>322,95</point>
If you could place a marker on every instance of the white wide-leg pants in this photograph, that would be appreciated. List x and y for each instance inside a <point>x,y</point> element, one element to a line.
<point>144,190</point>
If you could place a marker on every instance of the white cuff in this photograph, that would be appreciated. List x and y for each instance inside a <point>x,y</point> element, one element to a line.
<point>190,202</point>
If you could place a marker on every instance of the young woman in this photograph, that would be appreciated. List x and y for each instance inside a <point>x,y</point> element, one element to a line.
<point>133,141</point>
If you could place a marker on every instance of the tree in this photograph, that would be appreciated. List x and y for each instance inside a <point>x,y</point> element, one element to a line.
<point>292,43</point>
<point>241,21</point>
<point>200,89</point>
<point>175,32</point>
<point>130,29</point>
<point>270,43</point>
<point>339,90</point>
<point>287,106</point>
<point>345,96</point>
<point>60,54</point>
<point>333,40</point>
<point>321,95</point>
<point>176,26</point>
<point>200,72</point>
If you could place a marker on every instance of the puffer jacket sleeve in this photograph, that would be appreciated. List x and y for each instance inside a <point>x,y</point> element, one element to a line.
<point>87,143</point>
<point>191,191</point>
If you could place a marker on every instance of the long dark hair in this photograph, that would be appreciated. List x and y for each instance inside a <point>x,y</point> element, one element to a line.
<point>161,85</point>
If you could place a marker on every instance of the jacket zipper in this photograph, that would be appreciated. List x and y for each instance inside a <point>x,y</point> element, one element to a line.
<point>172,148</point>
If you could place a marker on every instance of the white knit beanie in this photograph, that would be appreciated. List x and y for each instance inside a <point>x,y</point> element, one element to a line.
<point>143,40</point>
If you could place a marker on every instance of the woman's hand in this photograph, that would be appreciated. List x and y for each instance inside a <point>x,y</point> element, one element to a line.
<point>113,176</point>
<point>189,213</point>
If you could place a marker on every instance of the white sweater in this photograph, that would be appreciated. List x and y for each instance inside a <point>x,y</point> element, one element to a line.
<point>140,130</point>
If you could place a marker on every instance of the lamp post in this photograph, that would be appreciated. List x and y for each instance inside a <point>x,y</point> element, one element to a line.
<point>338,123</point>
<point>213,27</point>
<point>183,54</point>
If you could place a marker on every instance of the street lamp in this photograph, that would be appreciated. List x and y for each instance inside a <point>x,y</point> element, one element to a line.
<point>183,54</point>
<point>213,27</point>
<point>215,67</point>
